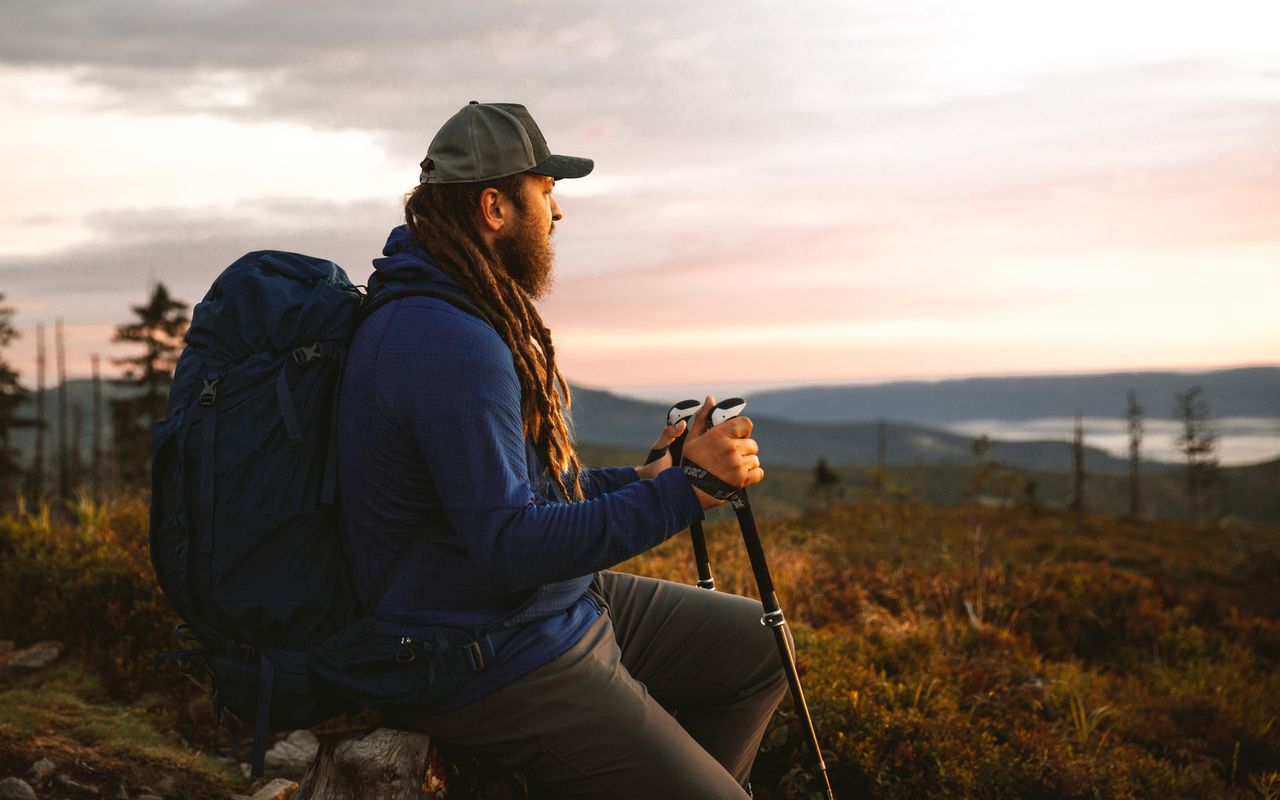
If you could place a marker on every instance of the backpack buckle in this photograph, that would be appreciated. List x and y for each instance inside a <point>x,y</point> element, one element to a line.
<point>307,353</point>
<point>209,394</point>
<point>474,656</point>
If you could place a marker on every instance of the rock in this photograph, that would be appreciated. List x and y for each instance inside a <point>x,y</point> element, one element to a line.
<point>278,789</point>
<point>76,787</point>
<point>291,756</point>
<point>42,769</point>
<point>36,656</point>
<point>166,786</point>
<point>16,789</point>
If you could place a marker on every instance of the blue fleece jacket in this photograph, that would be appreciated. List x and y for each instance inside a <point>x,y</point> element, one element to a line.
<point>430,448</point>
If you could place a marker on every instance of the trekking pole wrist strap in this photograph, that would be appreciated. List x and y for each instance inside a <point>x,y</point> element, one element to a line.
<point>704,480</point>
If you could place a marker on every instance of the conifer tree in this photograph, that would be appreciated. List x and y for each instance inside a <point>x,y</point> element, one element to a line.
<point>1198,442</point>
<point>159,328</point>
<point>12,397</point>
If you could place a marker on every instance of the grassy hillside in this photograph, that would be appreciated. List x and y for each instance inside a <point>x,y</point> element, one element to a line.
<point>962,653</point>
<point>1250,494</point>
<point>999,654</point>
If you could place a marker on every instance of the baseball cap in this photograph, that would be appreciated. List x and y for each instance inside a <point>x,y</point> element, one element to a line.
<point>484,141</point>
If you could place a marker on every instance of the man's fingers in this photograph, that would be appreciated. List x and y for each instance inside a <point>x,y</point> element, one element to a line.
<point>700,420</point>
<point>669,435</point>
<point>736,428</point>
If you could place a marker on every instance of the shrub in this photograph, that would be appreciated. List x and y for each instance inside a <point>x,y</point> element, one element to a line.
<point>89,583</point>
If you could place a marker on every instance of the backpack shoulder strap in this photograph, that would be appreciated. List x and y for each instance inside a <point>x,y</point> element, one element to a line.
<point>377,300</point>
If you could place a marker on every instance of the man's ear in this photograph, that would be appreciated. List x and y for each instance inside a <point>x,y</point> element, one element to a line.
<point>492,212</point>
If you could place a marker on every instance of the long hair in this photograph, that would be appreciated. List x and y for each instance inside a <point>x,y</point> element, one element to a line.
<point>440,219</point>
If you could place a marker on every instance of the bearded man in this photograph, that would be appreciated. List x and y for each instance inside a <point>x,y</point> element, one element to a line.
<point>465,505</point>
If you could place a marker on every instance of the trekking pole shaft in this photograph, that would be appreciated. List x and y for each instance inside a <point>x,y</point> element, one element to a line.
<point>774,620</point>
<point>700,556</point>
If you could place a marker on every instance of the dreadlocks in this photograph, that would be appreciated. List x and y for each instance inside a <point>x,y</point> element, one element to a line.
<point>440,220</point>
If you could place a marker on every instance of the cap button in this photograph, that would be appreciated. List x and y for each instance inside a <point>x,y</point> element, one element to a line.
<point>474,103</point>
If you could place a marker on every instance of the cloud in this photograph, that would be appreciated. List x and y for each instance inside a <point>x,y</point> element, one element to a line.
<point>128,250</point>
<point>872,161</point>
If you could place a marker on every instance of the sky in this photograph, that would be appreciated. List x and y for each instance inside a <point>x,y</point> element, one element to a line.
<point>784,192</point>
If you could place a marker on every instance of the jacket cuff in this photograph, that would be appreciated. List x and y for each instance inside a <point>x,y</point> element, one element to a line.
<point>682,504</point>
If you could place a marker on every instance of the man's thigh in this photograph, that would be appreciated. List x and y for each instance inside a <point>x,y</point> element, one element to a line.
<point>691,647</point>
<point>582,727</point>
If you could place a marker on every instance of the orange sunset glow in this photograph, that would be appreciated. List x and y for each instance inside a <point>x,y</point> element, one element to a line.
<point>880,191</point>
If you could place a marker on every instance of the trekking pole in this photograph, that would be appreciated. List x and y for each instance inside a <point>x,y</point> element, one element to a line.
<point>723,411</point>
<point>685,410</point>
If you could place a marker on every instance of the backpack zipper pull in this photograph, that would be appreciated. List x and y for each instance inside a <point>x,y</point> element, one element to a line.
<point>406,653</point>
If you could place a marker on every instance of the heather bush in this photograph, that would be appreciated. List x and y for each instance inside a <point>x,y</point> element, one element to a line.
<point>973,653</point>
<point>946,653</point>
<point>85,578</point>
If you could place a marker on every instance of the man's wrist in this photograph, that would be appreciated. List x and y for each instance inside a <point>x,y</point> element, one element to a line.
<point>707,482</point>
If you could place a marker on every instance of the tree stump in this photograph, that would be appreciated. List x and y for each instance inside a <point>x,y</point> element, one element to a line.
<point>389,764</point>
<point>383,764</point>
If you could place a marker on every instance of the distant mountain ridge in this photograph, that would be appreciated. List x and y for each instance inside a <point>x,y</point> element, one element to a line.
<point>605,418</point>
<point>1244,392</point>
<point>795,438</point>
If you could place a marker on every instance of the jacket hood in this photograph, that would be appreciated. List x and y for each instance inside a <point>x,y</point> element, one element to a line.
<point>403,261</point>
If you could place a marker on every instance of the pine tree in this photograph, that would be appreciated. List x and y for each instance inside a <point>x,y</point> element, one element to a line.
<point>1199,445</point>
<point>12,398</point>
<point>158,329</point>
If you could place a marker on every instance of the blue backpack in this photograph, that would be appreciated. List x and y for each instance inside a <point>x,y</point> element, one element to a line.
<point>244,532</point>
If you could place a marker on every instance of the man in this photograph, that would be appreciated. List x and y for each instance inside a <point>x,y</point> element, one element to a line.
<point>465,505</point>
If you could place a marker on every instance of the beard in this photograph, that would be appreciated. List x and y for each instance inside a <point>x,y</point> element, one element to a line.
<point>527,255</point>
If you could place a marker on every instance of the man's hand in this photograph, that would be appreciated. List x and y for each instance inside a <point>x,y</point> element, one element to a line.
<point>669,434</point>
<point>726,451</point>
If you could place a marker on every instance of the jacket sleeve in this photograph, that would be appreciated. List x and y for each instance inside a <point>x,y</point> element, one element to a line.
<point>452,382</point>
<point>598,481</point>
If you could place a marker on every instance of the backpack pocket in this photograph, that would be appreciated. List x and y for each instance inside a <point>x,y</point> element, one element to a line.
<point>297,700</point>
<point>390,665</point>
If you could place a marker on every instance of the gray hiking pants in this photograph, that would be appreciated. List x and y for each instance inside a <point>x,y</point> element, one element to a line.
<point>666,696</point>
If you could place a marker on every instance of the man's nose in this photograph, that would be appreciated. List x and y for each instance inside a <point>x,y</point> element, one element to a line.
<point>556,214</point>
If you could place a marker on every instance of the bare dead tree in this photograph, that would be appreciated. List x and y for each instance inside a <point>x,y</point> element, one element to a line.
<point>75,465</point>
<point>882,457</point>
<point>1077,462</point>
<point>97,429</point>
<point>37,467</point>
<point>64,466</point>
<point>1134,415</point>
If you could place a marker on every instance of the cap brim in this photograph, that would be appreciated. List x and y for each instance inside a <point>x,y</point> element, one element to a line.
<point>564,167</point>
